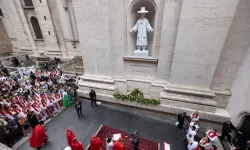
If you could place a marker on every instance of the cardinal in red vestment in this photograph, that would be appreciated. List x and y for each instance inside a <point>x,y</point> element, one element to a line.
<point>38,137</point>
<point>95,143</point>
<point>76,145</point>
<point>119,145</point>
<point>70,136</point>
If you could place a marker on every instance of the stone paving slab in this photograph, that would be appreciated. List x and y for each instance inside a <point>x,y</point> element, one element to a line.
<point>150,127</point>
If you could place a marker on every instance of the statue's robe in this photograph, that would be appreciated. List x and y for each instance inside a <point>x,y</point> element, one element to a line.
<point>142,26</point>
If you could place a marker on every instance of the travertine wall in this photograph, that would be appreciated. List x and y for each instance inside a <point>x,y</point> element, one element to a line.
<point>14,24</point>
<point>202,31</point>
<point>92,18</point>
<point>171,17</point>
<point>239,102</point>
<point>235,48</point>
<point>5,43</point>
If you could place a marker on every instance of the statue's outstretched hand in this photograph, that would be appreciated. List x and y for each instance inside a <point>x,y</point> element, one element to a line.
<point>151,30</point>
<point>131,30</point>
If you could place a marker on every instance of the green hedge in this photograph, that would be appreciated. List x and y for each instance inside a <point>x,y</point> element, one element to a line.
<point>136,96</point>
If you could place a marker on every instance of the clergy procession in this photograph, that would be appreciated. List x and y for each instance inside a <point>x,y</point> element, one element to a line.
<point>191,138</point>
<point>29,98</point>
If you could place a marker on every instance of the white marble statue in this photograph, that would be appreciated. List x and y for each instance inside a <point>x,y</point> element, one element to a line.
<point>142,26</point>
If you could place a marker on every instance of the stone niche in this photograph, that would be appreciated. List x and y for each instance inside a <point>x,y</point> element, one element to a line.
<point>132,18</point>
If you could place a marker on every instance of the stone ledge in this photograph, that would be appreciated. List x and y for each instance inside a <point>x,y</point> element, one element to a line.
<point>222,91</point>
<point>175,97</point>
<point>98,86</point>
<point>143,59</point>
<point>218,117</point>
<point>98,79</point>
<point>189,90</point>
<point>28,7</point>
<point>39,40</point>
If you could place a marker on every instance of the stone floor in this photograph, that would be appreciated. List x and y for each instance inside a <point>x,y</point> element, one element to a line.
<point>150,127</point>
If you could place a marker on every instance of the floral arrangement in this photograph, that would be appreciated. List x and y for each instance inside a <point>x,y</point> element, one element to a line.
<point>136,96</point>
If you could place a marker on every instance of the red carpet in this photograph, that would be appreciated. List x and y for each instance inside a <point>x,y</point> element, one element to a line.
<point>106,131</point>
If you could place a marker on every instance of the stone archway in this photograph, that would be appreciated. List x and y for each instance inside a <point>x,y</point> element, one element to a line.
<point>240,118</point>
<point>133,16</point>
<point>36,28</point>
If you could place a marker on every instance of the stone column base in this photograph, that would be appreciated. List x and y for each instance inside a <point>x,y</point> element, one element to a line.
<point>188,97</point>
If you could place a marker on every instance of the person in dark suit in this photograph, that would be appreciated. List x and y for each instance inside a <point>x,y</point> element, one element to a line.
<point>32,119</point>
<point>135,140</point>
<point>92,96</point>
<point>227,131</point>
<point>78,107</point>
<point>181,118</point>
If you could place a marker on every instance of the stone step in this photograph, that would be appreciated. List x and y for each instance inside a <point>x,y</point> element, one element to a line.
<point>108,89</point>
<point>189,99</point>
<point>186,101</point>
<point>98,79</point>
<point>189,90</point>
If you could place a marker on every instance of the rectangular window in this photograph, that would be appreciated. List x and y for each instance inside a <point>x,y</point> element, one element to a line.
<point>49,32</point>
<point>28,3</point>
<point>40,1</point>
<point>1,13</point>
<point>45,18</point>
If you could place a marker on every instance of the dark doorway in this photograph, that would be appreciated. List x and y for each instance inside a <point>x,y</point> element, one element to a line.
<point>28,2</point>
<point>240,139</point>
<point>245,127</point>
<point>36,27</point>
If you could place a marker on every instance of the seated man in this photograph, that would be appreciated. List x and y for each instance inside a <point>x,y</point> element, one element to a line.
<point>12,126</point>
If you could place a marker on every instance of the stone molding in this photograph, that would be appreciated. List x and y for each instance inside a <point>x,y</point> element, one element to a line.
<point>189,90</point>
<point>222,91</point>
<point>141,59</point>
<point>98,79</point>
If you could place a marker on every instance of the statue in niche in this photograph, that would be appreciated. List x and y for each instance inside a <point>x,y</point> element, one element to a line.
<point>142,26</point>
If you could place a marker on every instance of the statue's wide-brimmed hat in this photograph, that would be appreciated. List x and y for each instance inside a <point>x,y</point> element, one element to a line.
<point>142,11</point>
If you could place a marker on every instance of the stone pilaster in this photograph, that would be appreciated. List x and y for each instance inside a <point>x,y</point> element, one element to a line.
<point>15,24</point>
<point>171,16</point>
<point>92,19</point>
<point>202,32</point>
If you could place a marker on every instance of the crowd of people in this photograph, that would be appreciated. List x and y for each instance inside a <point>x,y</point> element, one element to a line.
<point>96,142</point>
<point>208,141</point>
<point>30,97</point>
